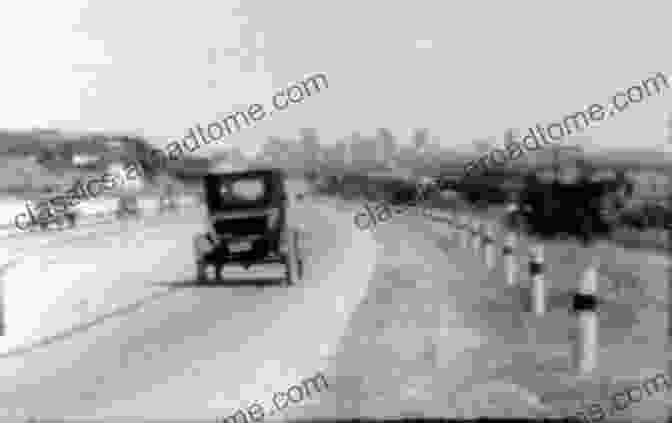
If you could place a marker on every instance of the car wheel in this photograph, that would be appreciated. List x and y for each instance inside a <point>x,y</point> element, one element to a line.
<point>218,273</point>
<point>292,264</point>
<point>290,272</point>
<point>201,277</point>
<point>300,269</point>
<point>299,256</point>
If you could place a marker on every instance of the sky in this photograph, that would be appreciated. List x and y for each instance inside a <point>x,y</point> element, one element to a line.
<point>465,70</point>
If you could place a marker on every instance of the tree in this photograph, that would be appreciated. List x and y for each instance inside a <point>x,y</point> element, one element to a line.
<point>586,209</point>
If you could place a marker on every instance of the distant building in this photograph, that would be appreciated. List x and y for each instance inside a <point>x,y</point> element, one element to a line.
<point>602,174</point>
<point>84,159</point>
<point>114,145</point>
<point>394,174</point>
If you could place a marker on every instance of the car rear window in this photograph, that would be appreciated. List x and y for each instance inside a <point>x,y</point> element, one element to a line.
<point>245,191</point>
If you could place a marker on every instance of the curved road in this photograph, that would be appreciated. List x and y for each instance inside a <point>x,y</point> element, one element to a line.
<point>402,323</point>
<point>172,350</point>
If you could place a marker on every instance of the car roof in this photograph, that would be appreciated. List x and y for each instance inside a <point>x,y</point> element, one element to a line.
<point>246,172</point>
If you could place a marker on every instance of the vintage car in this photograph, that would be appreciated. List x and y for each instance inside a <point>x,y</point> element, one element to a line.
<point>127,206</point>
<point>46,216</point>
<point>168,199</point>
<point>247,224</point>
<point>51,210</point>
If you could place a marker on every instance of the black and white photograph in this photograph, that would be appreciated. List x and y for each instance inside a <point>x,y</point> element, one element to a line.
<point>316,211</point>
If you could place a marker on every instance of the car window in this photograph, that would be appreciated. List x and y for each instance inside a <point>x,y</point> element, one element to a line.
<point>245,189</point>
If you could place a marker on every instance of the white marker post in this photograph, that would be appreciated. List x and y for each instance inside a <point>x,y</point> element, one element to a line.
<point>510,264</point>
<point>585,305</point>
<point>475,235</point>
<point>489,246</point>
<point>510,241</point>
<point>538,288</point>
<point>463,228</point>
<point>452,223</point>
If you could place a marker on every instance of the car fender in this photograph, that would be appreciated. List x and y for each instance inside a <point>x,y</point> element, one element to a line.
<point>202,244</point>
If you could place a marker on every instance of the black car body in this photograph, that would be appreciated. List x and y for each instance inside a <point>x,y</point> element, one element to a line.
<point>247,222</point>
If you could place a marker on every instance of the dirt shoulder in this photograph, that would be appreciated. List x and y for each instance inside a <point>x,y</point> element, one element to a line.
<point>439,335</point>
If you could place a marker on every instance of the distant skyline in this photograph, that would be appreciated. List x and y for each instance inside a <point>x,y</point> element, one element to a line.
<point>464,71</point>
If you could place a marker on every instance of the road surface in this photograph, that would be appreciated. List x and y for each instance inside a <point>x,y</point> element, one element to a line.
<point>402,323</point>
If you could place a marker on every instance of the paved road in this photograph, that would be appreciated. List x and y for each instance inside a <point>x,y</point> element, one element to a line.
<point>401,324</point>
<point>180,351</point>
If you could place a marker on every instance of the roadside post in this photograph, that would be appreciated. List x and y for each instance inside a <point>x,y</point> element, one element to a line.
<point>585,306</point>
<point>538,286</point>
<point>489,246</point>
<point>510,241</point>
<point>510,263</point>
<point>463,228</point>
<point>475,234</point>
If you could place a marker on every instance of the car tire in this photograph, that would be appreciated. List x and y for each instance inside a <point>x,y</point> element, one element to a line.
<point>300,269</point>
<point>200,265</point>
<point>299,257</point>
<point>292,262</point>
<point>288,272</point>
<point>201,275</point>
<point>218,279</point>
